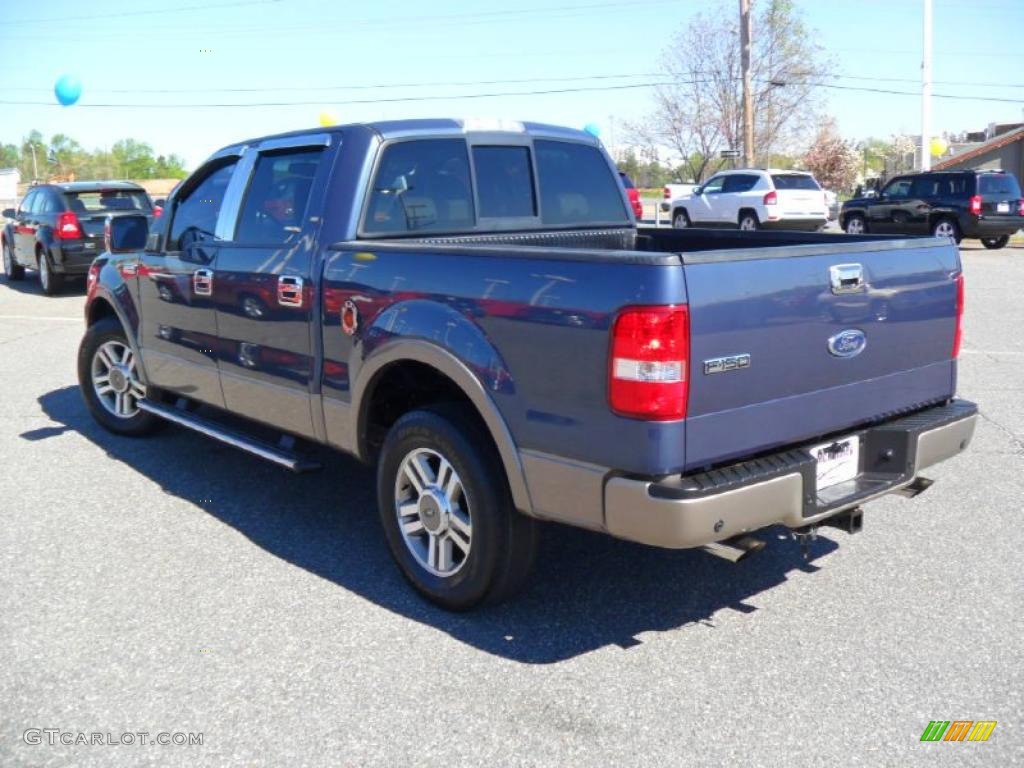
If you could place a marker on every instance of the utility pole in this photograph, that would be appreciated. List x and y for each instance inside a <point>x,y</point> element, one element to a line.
<point>35,168</point>
<point>748,106</point>
<point>926,90</point>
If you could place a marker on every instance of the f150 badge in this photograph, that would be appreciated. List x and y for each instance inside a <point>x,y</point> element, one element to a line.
<point>728,363</point>
<point>848,343</point>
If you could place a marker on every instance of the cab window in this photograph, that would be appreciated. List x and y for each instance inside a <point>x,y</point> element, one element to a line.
<point>577,185</point>
<point>195,215</point>
<point>421,186</point>
<point>277,198</point>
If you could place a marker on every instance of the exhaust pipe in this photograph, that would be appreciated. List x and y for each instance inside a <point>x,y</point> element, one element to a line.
<point>735,549</point>
<point>919,486</point>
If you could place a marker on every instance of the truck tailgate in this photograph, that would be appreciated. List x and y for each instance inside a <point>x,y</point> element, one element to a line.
<point>820,360</point>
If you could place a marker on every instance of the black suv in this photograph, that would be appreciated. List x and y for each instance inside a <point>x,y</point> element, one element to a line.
<point>986,205</point>
<point>58,228</point>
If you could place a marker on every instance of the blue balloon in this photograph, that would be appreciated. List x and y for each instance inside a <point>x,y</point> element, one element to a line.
<point>593,129</point>
<point>67,90</point>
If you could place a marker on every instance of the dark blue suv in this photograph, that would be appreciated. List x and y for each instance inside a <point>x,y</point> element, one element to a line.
<point>58,228</point>
<point>986,205</point>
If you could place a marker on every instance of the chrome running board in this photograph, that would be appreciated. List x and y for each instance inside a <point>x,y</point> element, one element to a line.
<point>234,438</point>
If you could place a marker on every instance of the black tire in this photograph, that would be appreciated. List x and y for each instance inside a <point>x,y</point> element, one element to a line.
<point>995,243</point>
<point>947,227</point>
<point>681,219</point>
<point>51,282</point>
<point>503,541</point>
<point>97,334</point>
<point>748,221</point>
<point>855,222</point>
<point>13,271</point>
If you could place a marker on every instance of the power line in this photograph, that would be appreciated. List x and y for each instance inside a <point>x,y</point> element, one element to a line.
<point>664,79</point>
<point>150,12</point>
<point>499,94</point>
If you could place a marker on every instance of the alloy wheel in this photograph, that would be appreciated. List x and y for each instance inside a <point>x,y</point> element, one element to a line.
<point>433,512</point>
<point>115,379</point>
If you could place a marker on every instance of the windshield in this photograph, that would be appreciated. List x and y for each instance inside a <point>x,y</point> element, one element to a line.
<point>794,181</point>
<point>999,184</point>
<point>108,200</point>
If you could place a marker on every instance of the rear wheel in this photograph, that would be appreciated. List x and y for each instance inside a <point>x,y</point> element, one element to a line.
<point>749,221</point>
<point>947,228</point>
<point>855,225</point>
<point>50,281</point>
<point>109,379</point>
<point>681,219</point>
<point>995,243</point>
<point>447,511</point>
<point>12,269</point>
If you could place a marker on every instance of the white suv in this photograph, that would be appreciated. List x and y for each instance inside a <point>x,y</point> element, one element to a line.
<point>752,199</point>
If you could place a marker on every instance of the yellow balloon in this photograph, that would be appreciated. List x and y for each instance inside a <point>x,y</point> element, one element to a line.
<point>939,146</point>
<point>327,119</point>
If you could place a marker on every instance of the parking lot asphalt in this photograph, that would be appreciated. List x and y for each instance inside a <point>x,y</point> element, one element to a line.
<point>175,585</point>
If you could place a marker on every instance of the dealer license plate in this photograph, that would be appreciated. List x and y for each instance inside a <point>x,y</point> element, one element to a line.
<point>837,461</point>
<point>1003,208</point>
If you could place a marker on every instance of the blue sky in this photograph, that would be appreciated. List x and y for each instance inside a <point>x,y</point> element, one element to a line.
<point>285,50</point>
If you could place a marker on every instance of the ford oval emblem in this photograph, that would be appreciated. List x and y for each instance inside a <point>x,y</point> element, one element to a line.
<point>848,343</point>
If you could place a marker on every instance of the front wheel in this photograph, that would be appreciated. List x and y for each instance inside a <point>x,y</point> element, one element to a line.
<point>109,380</point>
<point>749,222</point>
<point>681,220</point>
<point>855,225</point>
<point>12,269</point>
<point>447,511</point>
<point>995,243</point>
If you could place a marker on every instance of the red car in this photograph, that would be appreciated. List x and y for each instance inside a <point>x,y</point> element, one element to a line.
<point>634,196</point>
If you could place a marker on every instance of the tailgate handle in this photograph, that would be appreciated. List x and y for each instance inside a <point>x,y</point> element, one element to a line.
<point>289,291</point>
<point>846,278</point>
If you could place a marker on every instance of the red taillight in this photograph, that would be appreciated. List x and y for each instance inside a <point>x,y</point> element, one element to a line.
<point>771,198</point>
<point>158,211</point>
<point>958,334</point>
<point>68,227</point>
<point>666,193</point>
<point>649,362</point>
<point>94,273</point>
<point>975,206</point>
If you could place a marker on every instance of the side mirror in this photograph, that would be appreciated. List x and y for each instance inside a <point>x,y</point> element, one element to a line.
<point>698,190</point>
<point>125,234</point>
<point>10,213</point>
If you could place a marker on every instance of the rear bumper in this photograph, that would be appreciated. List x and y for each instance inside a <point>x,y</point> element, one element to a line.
<point>694,510</point>
<point>991,226</point>
<point>802,223</point>
<point>74,258</point>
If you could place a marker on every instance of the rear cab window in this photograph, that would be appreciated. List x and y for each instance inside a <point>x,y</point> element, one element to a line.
<point>108,201</point>
<point>504,182</point>
<point>795,181</point>
<point>577,186</point>
<point>452,186</point>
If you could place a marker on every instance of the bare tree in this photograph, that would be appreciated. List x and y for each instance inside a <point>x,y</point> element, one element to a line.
<point>698,110</point>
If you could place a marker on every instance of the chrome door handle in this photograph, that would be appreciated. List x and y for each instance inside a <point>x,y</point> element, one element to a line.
<point>289,291</point>
<point>846,278</point>
<point>202,282</point>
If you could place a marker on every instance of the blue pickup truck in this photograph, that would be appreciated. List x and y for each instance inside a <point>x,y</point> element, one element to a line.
<point>471,306</point>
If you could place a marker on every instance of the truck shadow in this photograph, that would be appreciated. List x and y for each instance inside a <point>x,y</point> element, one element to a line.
<point>588,591</point>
